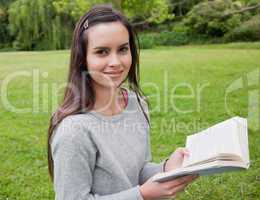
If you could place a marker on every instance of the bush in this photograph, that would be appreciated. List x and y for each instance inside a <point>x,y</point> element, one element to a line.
<point>146,40</point>
<point>165,38</point>
<point>248,31</point>
<point>177,35</point>
<point>169,38</point>
<point>208,18</point>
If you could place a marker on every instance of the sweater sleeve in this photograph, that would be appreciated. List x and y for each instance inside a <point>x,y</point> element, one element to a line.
<point>74,156</point>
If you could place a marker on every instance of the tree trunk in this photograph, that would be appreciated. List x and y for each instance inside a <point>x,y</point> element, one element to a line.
<point>242,10</point>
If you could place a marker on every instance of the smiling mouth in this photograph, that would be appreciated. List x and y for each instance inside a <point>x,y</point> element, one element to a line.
<point>114,73</point>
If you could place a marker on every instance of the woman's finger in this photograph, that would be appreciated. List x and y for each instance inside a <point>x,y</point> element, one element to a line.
<point>176,189</point>
<point>181,180</point>
<point>183,151</point>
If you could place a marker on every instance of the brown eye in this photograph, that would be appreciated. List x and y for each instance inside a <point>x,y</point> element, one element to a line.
<point>124,49</point>
<point>102,52</point>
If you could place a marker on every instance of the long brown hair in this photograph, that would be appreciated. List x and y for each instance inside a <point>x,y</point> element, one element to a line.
<point>79,93</point>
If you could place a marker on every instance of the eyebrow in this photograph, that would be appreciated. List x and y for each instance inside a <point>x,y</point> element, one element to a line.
<point>108,48</point>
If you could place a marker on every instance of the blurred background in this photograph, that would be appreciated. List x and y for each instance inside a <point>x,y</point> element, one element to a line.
<point>48,24</point>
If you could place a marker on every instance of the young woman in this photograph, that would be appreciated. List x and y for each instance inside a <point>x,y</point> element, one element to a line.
<point>98,142</point>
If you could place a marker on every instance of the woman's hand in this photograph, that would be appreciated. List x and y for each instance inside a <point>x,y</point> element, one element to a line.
<point>156,190</point>
<point>176,159</point>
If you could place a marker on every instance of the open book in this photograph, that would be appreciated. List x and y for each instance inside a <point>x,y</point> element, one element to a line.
<point>220,148</point>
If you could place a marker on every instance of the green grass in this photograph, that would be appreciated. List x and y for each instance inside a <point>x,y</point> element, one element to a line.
<point>23,166</point>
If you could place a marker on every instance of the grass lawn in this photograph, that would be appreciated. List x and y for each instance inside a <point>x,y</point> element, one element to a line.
<point>186,87</point>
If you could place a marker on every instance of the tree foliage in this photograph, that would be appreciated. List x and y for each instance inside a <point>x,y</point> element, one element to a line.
<point>4,32</point>
<point>153,11</point>
<point>247,31</point>
<point>3,27</point>
<point>181,7</point>
<point>37,26</point>
<point>72,9</point>
<point>207,17</point>
<point>48,24</point>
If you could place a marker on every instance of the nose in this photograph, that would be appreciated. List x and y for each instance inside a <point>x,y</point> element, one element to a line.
<point>114,60</point>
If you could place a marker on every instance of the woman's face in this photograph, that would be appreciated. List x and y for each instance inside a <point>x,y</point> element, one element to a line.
<point>108,54</point>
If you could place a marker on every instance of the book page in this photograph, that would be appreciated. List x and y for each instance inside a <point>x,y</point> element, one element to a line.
<point>219,139</point>
<point>243,138</point>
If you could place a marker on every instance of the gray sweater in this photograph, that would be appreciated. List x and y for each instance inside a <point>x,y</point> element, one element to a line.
<point>99,157</point>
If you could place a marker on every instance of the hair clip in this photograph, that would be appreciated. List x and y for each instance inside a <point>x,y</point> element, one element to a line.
<point>85,25</point>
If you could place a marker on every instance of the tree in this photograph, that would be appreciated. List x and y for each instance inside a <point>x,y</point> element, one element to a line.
<point>153,11</point>
<point>206,17</point>
<point>73,9</point>
<point>4,32</point>
<point>35,25</point>
<point>181,7</point>
<point>245,9</point>
<point>48,24</point>
<point>5,3</point>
